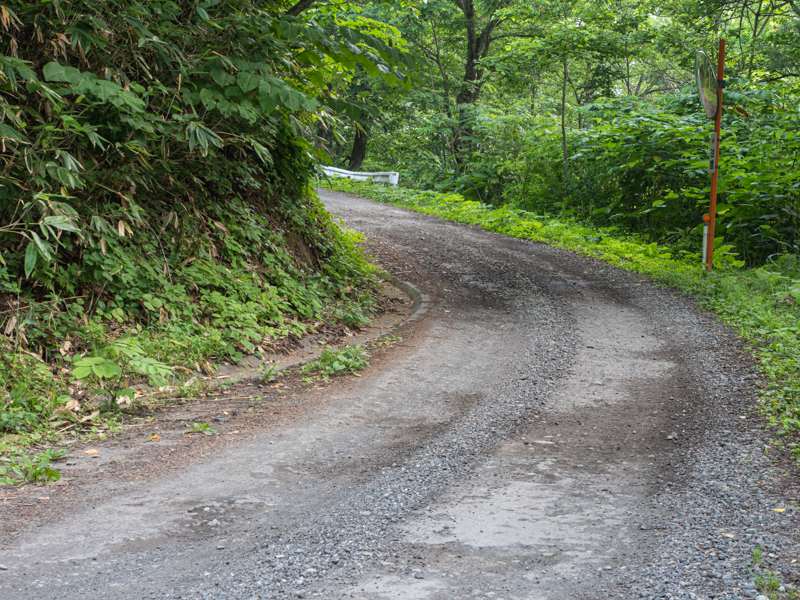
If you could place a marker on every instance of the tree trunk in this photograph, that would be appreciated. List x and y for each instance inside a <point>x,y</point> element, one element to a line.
<point>564,149</point>
<point>477,49</point>
<point>359,151</point>
<point>299,7</point>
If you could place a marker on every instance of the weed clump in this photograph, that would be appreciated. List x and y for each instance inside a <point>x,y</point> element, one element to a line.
<point>332,362</point>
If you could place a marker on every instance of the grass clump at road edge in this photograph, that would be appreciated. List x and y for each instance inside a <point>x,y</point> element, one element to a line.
<point>762,304</point>
<point>769,582</point>
<point>37,468</point>
<point>333,362</point>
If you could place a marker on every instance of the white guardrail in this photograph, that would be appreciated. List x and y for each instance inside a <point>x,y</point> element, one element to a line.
<point>390,177</point>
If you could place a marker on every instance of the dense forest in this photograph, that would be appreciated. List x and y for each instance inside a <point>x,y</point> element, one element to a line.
<point>589,109</point>
<point>158,161</point>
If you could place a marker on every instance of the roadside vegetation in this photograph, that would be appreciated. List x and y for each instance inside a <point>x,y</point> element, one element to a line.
<point>761,303</point>
<point>589,110</point>
<point>333,362</point>
<point>769,582</point>
<point>156,214</point>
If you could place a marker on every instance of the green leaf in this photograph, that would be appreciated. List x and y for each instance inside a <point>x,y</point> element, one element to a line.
<point>81,372</point>
<point>262,152</point>
<point>247,81</point>
<point>54,71</point>
<point>208,98</point>
<point>61,222</point>
<point>8,132</point>
<point>107,370</point>
<point>88,361</point>
<point>100,367</point>
<point>31,255</point>
<point>221,77</point>
<point>44,248</point>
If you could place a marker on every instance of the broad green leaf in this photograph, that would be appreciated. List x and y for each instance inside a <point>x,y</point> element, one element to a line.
<point>8,132</point>
<point>107,370</point>
<point>221,77</point>
<point>31,256</point>
<point>81,372</point>
<point>247,81</point>
<point>208,98</point>
<point>56,72</point>
<point>98,366</point>
<point>61,222</point>
<point>44,247</point>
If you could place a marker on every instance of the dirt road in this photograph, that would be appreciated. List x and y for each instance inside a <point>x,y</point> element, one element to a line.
<point>548,428</point>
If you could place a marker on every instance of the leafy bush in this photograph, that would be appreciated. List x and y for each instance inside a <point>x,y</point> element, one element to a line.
<point>645,166</point>
<point>30,394</point>
<point>640,165</point>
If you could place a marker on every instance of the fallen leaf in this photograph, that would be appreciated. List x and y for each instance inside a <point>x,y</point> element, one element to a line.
<point>780,509</point>
<point>12,323</point>
<point>154,437</point>
<point>90,417</point>
<point>72,405</point>
<point>93,452</point>
<point>123,228</point>
<point>124,400</point>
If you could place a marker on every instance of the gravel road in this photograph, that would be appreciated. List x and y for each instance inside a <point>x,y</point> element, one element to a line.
<point>547,428</point>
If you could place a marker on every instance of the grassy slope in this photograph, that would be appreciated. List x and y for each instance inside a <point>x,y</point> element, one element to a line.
<point>75,367</point>
<point>761,304</point>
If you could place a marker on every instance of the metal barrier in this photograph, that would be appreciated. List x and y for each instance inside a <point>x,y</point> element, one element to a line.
<point>390,177</point>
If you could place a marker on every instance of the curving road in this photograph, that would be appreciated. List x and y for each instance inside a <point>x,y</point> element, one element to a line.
<point>548,428</point>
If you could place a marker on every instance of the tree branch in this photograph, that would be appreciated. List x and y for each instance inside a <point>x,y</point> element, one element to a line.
<point>299,7</point>
<point>515,35</point>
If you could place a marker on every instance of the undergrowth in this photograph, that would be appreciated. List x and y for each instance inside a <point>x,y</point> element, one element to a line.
<point>36,468</point>
<point>333,362</point>
<point>241,283</point>
<point>769,582</point>
<point>762,304</point>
